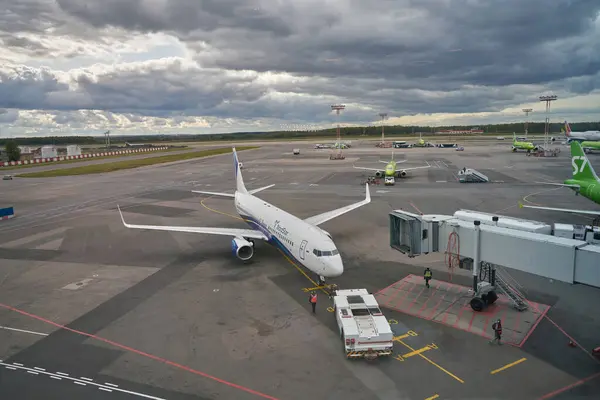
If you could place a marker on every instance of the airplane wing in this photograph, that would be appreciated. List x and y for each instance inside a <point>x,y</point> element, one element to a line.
<point>411,168</point>
<point>253,191</point>
<point>369,169</point>
<point>596,213</point>
<point>248,233</point>
<point>326,216</point>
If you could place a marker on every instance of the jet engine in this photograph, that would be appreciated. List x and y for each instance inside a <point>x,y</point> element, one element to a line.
<point>378,174</point>
<point>242,249</point>
<point>402,174</point>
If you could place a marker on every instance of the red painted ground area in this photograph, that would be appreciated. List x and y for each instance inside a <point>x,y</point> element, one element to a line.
<point>448,304</point>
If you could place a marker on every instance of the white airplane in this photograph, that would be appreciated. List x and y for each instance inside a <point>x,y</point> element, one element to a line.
<point>302,240</point>
<point>588,136</point>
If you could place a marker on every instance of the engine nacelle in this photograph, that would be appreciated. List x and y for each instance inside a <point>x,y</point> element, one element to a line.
<point>402,174</point>
<point>378,174</point>
<point>242,249</point>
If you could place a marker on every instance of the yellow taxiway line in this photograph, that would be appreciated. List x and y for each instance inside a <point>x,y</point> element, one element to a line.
<point>507,366</point>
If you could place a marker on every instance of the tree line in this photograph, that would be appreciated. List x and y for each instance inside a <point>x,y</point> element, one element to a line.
<point>373,131</point>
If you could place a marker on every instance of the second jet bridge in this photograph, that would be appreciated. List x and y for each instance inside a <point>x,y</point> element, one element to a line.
<point>475,240</point>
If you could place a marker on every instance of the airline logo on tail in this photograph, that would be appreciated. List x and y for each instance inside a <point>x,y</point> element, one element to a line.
<point>578,167</point>
<point>582,169</point>
<point>567,129</point>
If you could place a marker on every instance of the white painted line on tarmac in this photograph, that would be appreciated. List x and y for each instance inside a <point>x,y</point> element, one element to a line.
<point>23,331</point>
<point>108,387</point>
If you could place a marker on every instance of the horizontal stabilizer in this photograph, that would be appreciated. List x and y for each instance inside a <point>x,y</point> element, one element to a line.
<point>558,184</point>
<point>229,194</point>
<point>567,210</point>
<point>214,193</point>
<point>245,233</point>
<point>253,191</point>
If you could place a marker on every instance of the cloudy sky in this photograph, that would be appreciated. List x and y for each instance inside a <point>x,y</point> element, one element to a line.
<point>204,66</point>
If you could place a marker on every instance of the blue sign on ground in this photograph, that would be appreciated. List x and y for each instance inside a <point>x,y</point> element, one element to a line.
<point>7,211</point>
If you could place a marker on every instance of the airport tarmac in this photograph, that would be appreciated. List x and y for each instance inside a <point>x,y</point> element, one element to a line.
<point>90,308</point>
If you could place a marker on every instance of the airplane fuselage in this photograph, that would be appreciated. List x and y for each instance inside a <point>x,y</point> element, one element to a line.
<point>591,136</point>
<point>304,243</point>
<point>390,169</point>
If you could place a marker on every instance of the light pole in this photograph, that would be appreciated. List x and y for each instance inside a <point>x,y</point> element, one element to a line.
<point>338,108</point>
<point>527,111</point>
<point>547,100</point>
<point>383,117</point>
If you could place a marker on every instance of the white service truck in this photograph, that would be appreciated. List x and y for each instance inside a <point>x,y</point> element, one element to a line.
<point>364,330</point>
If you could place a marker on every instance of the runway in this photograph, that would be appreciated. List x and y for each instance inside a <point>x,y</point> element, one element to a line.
<point>176,316</point>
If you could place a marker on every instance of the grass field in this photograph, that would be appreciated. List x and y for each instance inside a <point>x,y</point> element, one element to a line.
<point>87,159</point>
<point>128,164</point>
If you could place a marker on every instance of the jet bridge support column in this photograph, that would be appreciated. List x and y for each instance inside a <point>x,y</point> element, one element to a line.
<point>476,254</point>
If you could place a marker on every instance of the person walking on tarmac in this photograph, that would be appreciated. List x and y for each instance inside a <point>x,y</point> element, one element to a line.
<point>427,276</point>
<point>313,301</point>
<point>497,327</point>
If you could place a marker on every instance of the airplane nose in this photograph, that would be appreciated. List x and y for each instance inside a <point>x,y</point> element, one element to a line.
<point>335,267</point>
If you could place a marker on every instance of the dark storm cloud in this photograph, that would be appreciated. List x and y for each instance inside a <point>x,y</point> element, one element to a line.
<point>406,56</point>
<point>181,16</point>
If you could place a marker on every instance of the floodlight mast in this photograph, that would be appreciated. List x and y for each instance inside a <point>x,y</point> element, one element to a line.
<point>107,139</point>
<point>527,111</point>
<point>338,108</point>
<point>547,100</point>
<point>383,117</point>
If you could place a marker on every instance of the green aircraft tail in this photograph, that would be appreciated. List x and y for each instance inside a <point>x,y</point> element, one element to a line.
<point>582,169</point>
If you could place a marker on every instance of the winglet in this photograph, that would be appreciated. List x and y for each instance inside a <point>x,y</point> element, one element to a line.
<point>520,205</point>
<point>368,196</point>
<point>121,213</point>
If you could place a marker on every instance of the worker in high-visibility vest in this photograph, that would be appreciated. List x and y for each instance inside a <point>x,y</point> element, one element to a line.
<point>497,327</point>
<point>313,301</point>
<point>427,276</point>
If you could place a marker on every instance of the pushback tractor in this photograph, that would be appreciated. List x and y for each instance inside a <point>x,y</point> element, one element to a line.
<point>364,330</point>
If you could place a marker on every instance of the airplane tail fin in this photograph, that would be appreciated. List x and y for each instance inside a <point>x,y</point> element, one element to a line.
<point>582,169</point>
<point>239,180</point>
<point>567,129</point>
<point>514,138</point>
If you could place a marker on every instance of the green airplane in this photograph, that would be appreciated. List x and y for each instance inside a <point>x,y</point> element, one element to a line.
<point>390,169</point>
<point>422,143</point>
<point>522,145</point>
<point>590,146</point>
<point>584,182</point>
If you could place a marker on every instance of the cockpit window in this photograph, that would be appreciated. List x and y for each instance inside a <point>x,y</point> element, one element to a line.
<point>321,253</point>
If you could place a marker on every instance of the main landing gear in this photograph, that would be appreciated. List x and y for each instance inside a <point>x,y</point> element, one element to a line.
<point>321,281</point>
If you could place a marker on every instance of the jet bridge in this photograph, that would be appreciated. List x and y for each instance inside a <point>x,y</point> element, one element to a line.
<point>484,243</point>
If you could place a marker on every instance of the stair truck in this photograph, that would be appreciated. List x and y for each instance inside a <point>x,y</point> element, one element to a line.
<point>364,330</point>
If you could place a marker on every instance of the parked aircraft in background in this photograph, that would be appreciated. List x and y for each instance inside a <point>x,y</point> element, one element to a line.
<point>516,145</point>
<point>390,169</point>
<point>580,136</point>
